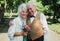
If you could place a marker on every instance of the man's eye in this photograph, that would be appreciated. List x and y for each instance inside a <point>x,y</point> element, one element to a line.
<point>29,8</point>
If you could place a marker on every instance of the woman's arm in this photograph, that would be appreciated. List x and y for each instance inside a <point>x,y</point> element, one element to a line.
<point>11,31</point>
<point>12,26</point>
<point>18,34</point>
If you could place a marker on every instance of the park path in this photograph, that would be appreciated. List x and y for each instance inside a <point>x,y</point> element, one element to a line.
<point>4,37</point>
<point>52,36</point>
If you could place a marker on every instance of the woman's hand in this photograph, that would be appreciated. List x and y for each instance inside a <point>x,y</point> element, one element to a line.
<point>25,33</point>
<point>27,27</point>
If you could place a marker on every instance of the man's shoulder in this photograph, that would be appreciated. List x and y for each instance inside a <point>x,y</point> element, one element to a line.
<point>41,14</point>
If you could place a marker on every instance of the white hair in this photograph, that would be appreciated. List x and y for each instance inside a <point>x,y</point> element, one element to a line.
<point>21,8</point>
<point>30,3</point>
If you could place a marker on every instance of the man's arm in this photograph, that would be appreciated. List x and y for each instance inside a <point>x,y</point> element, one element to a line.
<point>10,23</point>
<point>44,23</point>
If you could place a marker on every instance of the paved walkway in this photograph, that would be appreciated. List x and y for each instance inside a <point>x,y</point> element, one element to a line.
<point>52,36</point>
<point>4,37</point>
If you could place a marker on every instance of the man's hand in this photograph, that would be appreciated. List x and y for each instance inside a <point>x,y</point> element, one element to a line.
<point>10,23</point>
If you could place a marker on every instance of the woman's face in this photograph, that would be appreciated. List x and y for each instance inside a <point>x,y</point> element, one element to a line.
<point>23,13</point>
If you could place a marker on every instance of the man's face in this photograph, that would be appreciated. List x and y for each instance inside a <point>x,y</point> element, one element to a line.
<point>31,10</point>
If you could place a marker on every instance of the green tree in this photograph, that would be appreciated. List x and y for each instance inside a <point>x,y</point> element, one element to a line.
<point>54,5</point>
<point>2,10</point>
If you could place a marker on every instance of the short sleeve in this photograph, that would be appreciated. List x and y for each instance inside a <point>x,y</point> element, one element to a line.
<point>11,31</point>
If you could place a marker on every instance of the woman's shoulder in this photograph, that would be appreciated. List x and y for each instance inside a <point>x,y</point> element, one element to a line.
<point>15,20</point>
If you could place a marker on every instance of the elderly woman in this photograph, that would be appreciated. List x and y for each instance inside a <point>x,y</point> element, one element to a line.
<point>15,31</point>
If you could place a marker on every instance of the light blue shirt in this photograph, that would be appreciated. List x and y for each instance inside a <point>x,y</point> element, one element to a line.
<point>44,23</point>
<point>16,27</point>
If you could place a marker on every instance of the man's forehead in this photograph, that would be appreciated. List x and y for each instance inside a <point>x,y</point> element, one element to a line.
<point>30,4</point>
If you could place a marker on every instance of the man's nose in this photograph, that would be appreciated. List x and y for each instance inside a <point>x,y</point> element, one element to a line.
<point>24,13</point>
<point>29,10</point>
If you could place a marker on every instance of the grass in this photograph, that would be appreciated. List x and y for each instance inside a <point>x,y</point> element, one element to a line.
<point>55,27</point>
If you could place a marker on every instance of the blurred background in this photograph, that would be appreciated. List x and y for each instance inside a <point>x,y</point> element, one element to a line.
<point>51,8</point>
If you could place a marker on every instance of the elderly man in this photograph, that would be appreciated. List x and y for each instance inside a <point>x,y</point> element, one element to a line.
<point>37,22</point>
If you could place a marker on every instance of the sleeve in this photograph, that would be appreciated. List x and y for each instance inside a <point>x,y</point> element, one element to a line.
<point>44,23</point>
<point>11,31</point>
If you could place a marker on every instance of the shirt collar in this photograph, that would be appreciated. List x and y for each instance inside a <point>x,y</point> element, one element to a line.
<point>35,13</point>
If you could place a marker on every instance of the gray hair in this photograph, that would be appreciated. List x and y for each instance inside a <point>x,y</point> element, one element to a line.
<point>30,3</point>
<point>21,8</point>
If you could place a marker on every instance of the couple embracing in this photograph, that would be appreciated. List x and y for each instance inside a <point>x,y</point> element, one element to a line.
<point>30,25</point>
